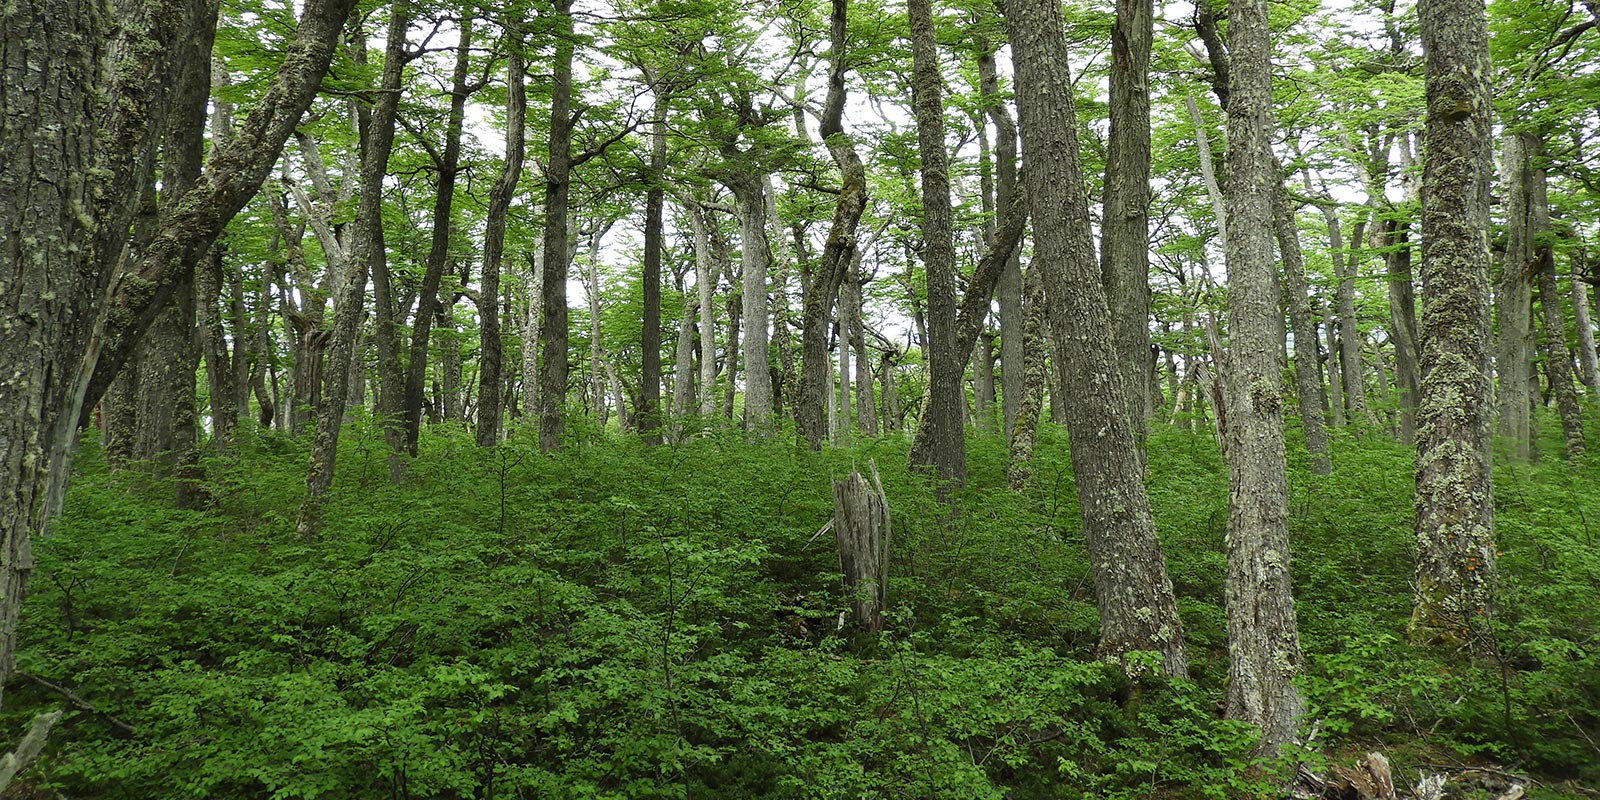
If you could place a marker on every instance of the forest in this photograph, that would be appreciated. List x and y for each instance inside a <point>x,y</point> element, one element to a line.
<point>804,399</point>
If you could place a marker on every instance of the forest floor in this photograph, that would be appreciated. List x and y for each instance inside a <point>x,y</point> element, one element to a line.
<point>617,621</point>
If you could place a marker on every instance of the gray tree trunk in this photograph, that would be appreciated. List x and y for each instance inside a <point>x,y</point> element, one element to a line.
<point>1307,364</point>
<point>501,194</point>
<point>1557,359</point>
<point>755,257</point>
<point>557,258</point>
<point>1455,561</point>
<point>839,251</point>
<point>1403,324</point>
<point>861,530</point>
<point>1008,291</point>
<point>1580,311</point>
<point>1132,592</point>
<point>1513,299</point>
<point>1125,229</point>
<point>705,278</point>
<point>945,423</point>
<point>1263,642</point>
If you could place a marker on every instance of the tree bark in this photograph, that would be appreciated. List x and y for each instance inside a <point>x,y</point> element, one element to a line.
<point>1455,561</point>
<point>755,257</point>
<point>553,365</point>
<point>1125,229</point>
<point>1008,292</point>
<point>1137,609</point>
<point>1263,642</point>
<point>494,240</point>
<point>1513,298</point>
<point>366,248</point>
<point>1557,359</point>
<point>839,251</point>
<point>1587,369</point>
<point>655,200</point>
<point>705,278</point>
<point>861,529</point>
<point>428,307</point>
<point>1403,324</point>
<point>1307,364</point>
<point>944,421</point>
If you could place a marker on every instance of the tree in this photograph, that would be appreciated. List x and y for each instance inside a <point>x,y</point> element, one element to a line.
<point>1132,592</point>
<point>839,253</point>
<point>947,454</point>
<point>77,173</point>
<point>1455,563</point>
<point>494,240</point>
<point>1263,640</point>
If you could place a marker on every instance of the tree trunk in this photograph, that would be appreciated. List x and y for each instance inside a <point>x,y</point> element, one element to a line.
<point>1307,365</point>
<point>944,421</point>
<point>532,331</point>
<point>861,529</point>
<point>1403,324</point>
<point>785,384</point>
<point>1125,230</point>
<point>55,182</point>
<point>838,253</point>
<point>1263,642</point>
<point>1513,298</point>
<point>1030,402</point>
<point>1557,359</point>
<point>428,306</point>
<point>755,257</point>
<point>1455,562</point>
<point>365,248</point>
<point>705,278</point>
<point>1137,609</point>
<point>655,201</point>
<point>1344,267</point>
<point>1335,379</point>
<point>553,365</point>
<point>494,240</point>
<point>1013,356</point>
<point>1580,311</point>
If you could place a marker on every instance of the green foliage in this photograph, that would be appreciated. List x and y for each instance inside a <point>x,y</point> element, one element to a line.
<point>619,621</point>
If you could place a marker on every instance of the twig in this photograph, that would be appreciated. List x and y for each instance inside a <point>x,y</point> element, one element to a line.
<point>78,702</point>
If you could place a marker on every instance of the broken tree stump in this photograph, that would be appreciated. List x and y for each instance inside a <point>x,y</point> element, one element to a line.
<point>861,530</point>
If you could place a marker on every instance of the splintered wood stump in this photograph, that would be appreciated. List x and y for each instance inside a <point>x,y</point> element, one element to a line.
<point>861,530</point>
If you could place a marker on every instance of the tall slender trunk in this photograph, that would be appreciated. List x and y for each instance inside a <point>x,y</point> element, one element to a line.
<point>531,331</point>
<point>1263,642</point>
<point>365,248</point>
<point>755,256</point>
<point>683,395</point>
<point>1455,561</point>
<point>1335,379</point>
<point>1513,298</point>
<point>1125,230</point>
<point>655,200</point>
<point>785,384</point>
<point>1344,266</point>
<point>945,424</point>
<point>1013,356</point>
<point>1580,312</point>
<point>428,306</point>
<point>1403,324</point>
<point>1132,592</point>
<point>1557,359</point>
<point>838,253</point>
<point>1030,402</point>
<point>557,259</point>
<point>494,240</point>
<point>1307,365</point>
<point>705,278</point>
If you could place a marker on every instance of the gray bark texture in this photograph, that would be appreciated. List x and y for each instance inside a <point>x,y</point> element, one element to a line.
<point>492,350</point>
<point>1455,562</point>
<point>1125,229</point>
<point>1557,359</point>
<point>1008,292</point>
<point>1403,324</point>
<point>861,529</point>
<point>1513,299</point>
<point>838,253</point>
<point>755,260</point>
<point>557,257</point>
<point>1263,640</point>
<point>67,166</point>
<point>1132,592</point>
<point>1307,364</point>
<point>1587,368</point>
<point>366,246</point>
<point>946,418</point>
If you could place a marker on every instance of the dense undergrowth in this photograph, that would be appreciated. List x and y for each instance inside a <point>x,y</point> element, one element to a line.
<point>617,621</point>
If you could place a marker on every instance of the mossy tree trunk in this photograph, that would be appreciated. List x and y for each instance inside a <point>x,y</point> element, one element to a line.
<point>1263,639</point>
<point>1132,592</point>
<point>1455,562</point>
